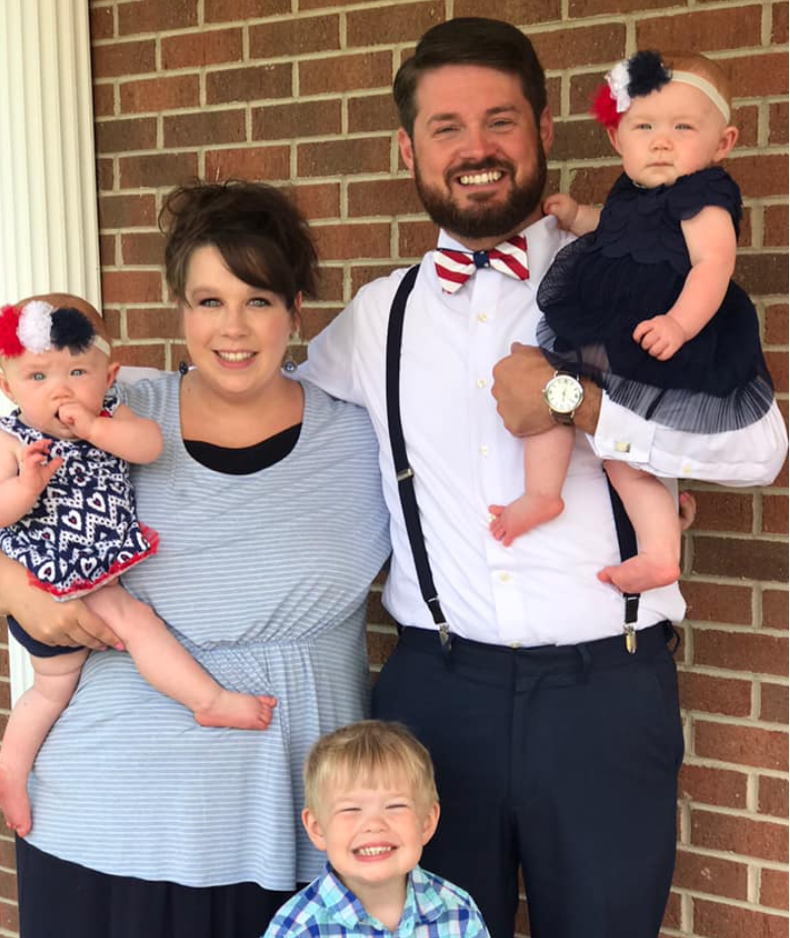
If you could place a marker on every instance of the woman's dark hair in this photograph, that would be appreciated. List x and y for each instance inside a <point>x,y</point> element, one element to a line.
<point>470,41</point>
<point>261,235</point>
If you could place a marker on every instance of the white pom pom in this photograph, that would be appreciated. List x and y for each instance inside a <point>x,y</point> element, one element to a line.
<point>618,80</point>
<point>35,326</point>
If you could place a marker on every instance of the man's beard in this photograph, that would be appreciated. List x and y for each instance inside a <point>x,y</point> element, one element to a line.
<point>489,218</point>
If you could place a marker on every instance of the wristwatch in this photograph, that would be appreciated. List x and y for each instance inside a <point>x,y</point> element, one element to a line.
<point>564,394</point>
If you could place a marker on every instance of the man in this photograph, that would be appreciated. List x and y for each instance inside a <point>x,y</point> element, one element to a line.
<point>555,731</point>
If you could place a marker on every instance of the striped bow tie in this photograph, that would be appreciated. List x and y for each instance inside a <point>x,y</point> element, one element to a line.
<point>454,268</point>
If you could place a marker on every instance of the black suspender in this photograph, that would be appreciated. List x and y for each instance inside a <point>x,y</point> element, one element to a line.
<point>405,477</point>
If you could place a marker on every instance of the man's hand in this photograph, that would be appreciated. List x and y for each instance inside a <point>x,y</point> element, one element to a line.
<point>518,386</point>
<point>660,336</point>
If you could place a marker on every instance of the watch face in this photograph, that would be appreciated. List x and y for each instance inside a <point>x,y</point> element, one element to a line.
<point>564,393</point>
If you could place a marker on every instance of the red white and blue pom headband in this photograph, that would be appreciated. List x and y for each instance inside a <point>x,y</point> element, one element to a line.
<point>39,327</point>
<point>641,75</point>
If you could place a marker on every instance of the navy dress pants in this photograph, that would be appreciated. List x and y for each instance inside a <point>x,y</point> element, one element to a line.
<point>559,761</point>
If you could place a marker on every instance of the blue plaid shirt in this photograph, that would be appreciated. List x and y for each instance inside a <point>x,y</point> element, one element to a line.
<point>326,909</point>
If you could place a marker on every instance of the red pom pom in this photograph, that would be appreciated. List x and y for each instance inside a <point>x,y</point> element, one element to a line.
<point>604,107</point>
<point>10,346</point>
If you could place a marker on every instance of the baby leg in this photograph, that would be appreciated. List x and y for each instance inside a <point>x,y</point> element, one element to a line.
<point>546,459</point>
<point>32,718</point>
<point>167,665</point>
<point>654,515</point>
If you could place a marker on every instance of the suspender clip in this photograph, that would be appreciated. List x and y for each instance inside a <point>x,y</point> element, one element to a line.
<point>404,474</point>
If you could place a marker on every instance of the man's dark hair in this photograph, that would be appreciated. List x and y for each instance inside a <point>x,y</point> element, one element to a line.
<point>470,41</point>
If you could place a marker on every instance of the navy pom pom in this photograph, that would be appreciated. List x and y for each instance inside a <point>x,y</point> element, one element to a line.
<point>646,73</point>
<point>72,330</point>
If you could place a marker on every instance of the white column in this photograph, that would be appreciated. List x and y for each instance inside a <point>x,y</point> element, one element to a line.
<point>48,216</point>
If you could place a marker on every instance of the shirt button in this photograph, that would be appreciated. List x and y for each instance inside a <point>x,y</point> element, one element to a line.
<point>484,450</point>
<point>515,645</point>
<point>481,382</point>
<point>622,447</point>
<point>686,470</point>
<point>482,317</point>
<point>505,577</point>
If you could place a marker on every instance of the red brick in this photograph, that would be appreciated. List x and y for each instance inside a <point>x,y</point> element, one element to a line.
<point>205,47</point>
<point>126,211</point>
<point>293,37</point>
<point>153,323</point>
<point>343,157</point>
<point>579,140</point>
<point>161,170</point>
<point>748,559</point>
<point>341,242</point>
<point>715,694</point>
<point>296,119</point>
<point>712,875</point>
<point>588,45</point>
<point>744,836</point>
<point>316,320</point>
<point>773,798</point>
<point>160,94</point>
<point>775,612</point>
<point>330,288</point>
<point>120,135</point>
<point>773,889</point>
<point>150,16</point>
<point>747,119</point>
<point>103,100</point>
<point>724,511</point>
<point>198,127</point>
<point>365,273</point>
<point>217,11</point>
<point>743,745</point>
<point>9,917</point>
<point>105,174</point>
<point>319,200</point>
<point>777,124</point>
<point>345,73</point>
<point>582,89</point>
<point>779,22</point>
<point>744,73</point>
<point>141,356</point>
<point>112,319</point>
<point>777,363</point>
<point>707,31</point>
<point>738,651</point>
<point>718,602</point>
<point>393,23</point>
<point>776,324</point>
<point>372,112</point>
<point>251,83</point>
<point>775,234</point>
<point>107,251</point>
<point>672,913</point>
<point>254,163</point>
<point>131,286</point>
<point>717,920</point>
<point>380,646</point>
<point>703,784</point>
<point>7,885</point>
<point>515,11</point>
<point>592,184</point>
<point>143,249</point>
<point>102,23</point>
<point>760,176</point>
<point>383,197</point>
<point>123,59</point>
<point>415,238</point>
<point>773,702</point>
<point>775,514</point>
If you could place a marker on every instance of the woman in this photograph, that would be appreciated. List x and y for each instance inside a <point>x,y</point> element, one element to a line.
<point>268,505</point>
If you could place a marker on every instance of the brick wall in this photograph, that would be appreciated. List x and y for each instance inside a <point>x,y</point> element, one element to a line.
<point>297,92</point>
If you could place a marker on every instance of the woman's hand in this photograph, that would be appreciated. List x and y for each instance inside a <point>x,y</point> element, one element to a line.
<point>54,623</point>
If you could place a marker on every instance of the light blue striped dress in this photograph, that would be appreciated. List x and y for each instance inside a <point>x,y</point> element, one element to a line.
<point>264,577</point>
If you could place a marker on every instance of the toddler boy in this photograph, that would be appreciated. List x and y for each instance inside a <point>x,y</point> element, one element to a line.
<point>372,806</point>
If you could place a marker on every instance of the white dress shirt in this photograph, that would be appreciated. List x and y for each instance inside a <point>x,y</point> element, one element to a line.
<point>543,588</point>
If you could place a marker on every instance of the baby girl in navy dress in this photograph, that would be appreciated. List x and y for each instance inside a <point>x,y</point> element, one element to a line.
<point>67,513</point>
<point>643,302</point>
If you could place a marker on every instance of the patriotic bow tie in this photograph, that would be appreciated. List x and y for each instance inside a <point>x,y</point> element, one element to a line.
<point>454,268</point>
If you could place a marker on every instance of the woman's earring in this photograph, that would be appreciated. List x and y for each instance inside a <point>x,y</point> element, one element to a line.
<point>289,365</point>
<point>183,368</point>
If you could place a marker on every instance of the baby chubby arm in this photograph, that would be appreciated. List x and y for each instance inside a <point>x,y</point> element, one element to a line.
<point>711,242</point>
<point>125,435</point>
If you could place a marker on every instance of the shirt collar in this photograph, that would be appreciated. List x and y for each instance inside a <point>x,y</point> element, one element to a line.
<point>423,903</point>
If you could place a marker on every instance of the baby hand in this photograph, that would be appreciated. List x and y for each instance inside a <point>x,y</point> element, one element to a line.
<point>35,467</point>
<point>660,336</point>
<point>563,208</point>
<point>77,418</point>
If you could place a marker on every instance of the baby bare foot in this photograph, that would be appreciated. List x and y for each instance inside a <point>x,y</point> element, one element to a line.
<point>14,801</point>
<point>520,516</point>
<point>237,711</point>
<point>641,573</point>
